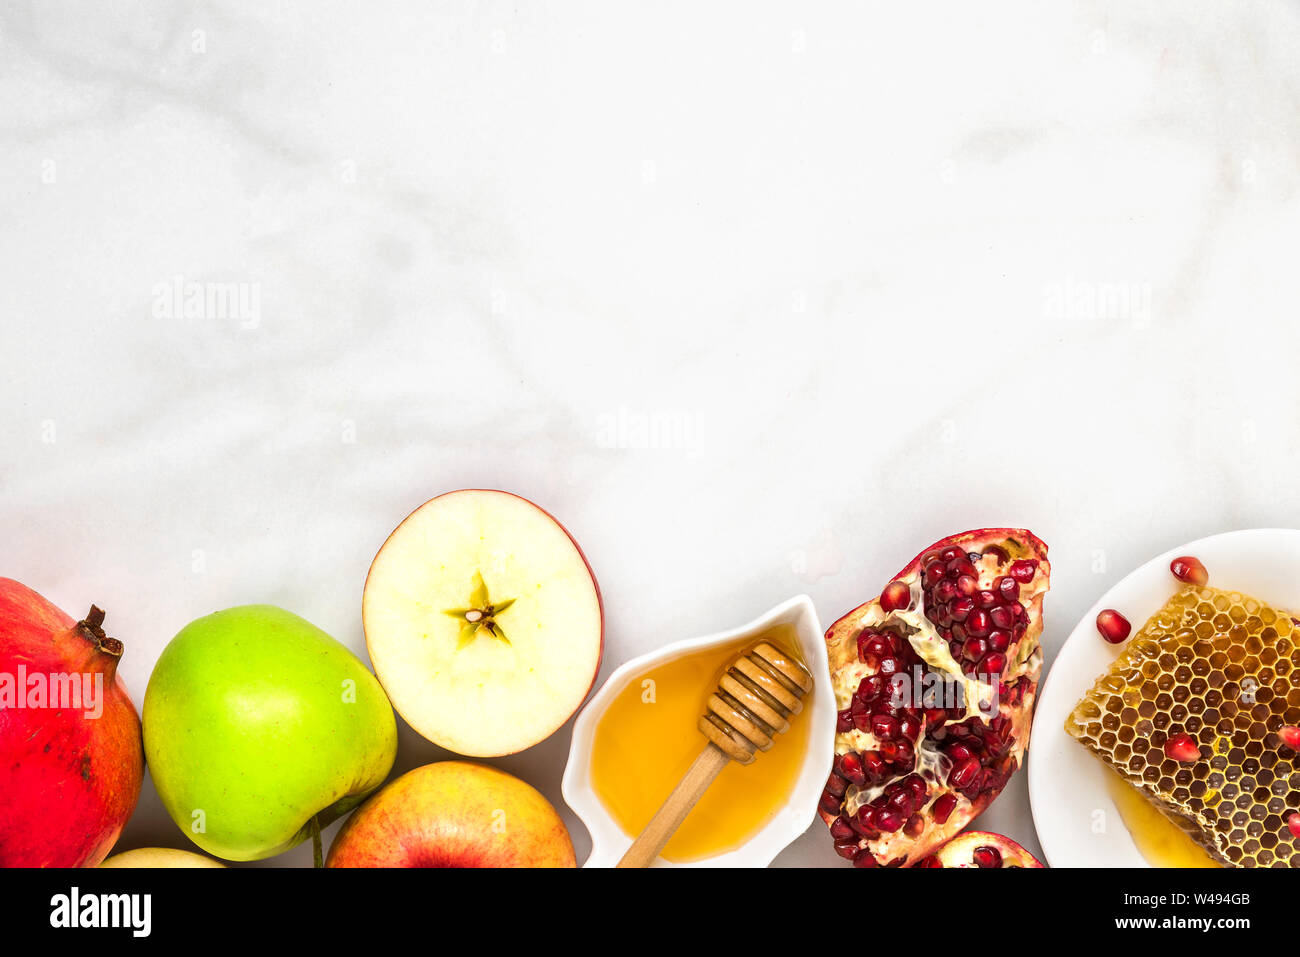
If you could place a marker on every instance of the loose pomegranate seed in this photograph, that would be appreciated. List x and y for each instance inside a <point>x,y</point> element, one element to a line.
<point>895,596</point>
<point>943,807</point>
<point>1293,823</point>
<point>1113,626</point>
<point>1190,570</point>
<point>1023,571</point>
<point>1182,748</point>
<point>985,856</point>
<point>1290,736</point>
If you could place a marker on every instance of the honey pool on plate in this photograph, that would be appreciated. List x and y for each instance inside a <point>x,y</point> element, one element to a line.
<point>647,738</point>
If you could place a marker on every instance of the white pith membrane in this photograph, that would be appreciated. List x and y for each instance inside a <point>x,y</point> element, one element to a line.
<point>1023,664</point>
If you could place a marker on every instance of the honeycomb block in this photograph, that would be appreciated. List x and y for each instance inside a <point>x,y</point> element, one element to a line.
<point>1221,667</point>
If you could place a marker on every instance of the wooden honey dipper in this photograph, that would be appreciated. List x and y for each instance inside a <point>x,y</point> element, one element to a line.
<point>756,696</point>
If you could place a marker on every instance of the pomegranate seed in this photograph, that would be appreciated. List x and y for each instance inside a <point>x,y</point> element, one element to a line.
<point>914,826</point>
<point>985,856</point>
<point>829,803</point>
<point>934,573</point>
<point>862,720</point>
<point>909,728</point>
<point>977,625</point>
<point>1024,570</point>
<point>865,820</point>
<point>889,821</point>
<point>850,765</point>
<point>1290,736</point>
<point>902,803</point>
<point>843,721</point>
<point>967,585</point>
<point>1008,588</point>
<point>945,591</point>
<point>872,765</point>
<point>950,553</point>
<point>895,596</point>
<point>1002,616</point>
<point>847,850</point>
<point>964,774</point>
<point>1190,570</point>
<point>975,649</point>
<point>961,609</point>
<point>943,807</point>
<point>994,664</point>
<point>836,785</point>
<point>916,784</point>
<point>1293,823</point>
<point>959,753</point>
<point>986,599</point>
<point>930,861</point>
<point>1113,626</point>
<point>841,831</point>
<point>884,727</point>
<point>872,687</point>
<point>999,640</point>
<point>864,859</point>
<point>1182,748</point>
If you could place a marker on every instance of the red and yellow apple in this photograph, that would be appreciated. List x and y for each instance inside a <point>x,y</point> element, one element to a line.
<point>454,814</point>
<point>483,621</point>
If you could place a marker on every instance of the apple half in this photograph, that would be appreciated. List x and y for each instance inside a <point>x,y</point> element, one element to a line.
<point>483,621</point>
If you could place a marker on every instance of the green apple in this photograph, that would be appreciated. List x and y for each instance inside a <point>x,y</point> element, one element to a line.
<point>260,729</point>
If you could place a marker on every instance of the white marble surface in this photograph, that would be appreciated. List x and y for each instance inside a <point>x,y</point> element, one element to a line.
<point>757,299</point>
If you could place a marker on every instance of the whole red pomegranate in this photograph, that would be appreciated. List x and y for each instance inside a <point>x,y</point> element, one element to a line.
<point>935,680</point>
<point>71,754</point>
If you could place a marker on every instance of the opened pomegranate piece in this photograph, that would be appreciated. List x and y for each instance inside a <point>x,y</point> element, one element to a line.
<point>981,849</point>
<point>935,689</point>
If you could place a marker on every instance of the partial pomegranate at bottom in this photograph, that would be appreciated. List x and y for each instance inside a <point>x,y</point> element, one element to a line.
<point>70,741</point>
<point>935,682</point>
<point>981,849</point>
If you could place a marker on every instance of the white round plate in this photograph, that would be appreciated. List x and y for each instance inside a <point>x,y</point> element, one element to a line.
<point>1067,785</point>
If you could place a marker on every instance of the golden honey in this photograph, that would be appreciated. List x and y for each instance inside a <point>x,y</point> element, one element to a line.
<point>1218,666</point>
<point>1159,840</point>
<point>647,738</point>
